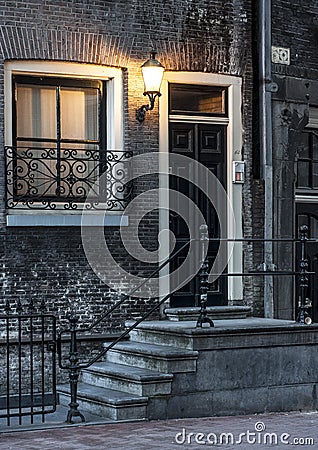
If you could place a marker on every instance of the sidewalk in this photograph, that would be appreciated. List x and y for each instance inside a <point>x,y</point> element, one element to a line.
<point>282,431</point>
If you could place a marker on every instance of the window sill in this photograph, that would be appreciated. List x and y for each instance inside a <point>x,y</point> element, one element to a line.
<point>65,220</point>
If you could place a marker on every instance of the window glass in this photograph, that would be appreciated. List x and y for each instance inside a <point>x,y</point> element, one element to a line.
<point>315,147</point>
<point>315,174</point>
<point>303,174</point>
<point>36,111</point>
<point>79,113</point>
<point>307,164</point>
<point>303,148</point>
<point>313,227</point>
<point>302,220</point>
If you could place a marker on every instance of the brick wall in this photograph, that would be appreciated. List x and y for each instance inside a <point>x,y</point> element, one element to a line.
<point>190,35</point>
<point>296,28</point>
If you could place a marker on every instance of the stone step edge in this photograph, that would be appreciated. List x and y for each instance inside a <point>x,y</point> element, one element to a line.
<point>125,398</point>
<point>154,351</point>
<point>214,312</point>
<point>111,372</point>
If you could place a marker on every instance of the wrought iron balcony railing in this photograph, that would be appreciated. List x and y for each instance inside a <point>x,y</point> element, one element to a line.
<point>47,179</point>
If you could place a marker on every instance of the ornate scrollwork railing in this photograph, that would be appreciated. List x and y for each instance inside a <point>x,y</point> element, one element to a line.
<point>47,179</point>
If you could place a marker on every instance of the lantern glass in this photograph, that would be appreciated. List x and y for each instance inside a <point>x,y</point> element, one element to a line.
<point>152,72</point>
<point>152,78</point>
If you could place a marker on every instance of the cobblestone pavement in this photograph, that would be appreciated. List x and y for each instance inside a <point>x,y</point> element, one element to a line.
<point>289,430</point>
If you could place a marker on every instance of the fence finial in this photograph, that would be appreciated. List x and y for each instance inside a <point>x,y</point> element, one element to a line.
<point>203,278</point>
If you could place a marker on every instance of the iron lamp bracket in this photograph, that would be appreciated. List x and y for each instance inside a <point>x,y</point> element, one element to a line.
<point>141,112</point>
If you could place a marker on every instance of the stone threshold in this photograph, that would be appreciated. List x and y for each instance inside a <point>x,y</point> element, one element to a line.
<point>213,312</point>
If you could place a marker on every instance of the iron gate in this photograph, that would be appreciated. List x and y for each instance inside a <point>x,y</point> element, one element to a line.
<point>28,354</point>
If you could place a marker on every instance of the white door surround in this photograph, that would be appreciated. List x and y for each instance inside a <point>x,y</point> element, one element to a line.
<point>234,153</point>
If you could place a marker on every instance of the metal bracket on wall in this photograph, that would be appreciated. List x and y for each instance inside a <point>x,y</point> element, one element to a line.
<point>272,87</point>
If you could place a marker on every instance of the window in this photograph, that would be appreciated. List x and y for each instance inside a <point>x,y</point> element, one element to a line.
<point>197,100</point>
<point>63,129</point>
<point>58,138</point>
<point>307,164</point>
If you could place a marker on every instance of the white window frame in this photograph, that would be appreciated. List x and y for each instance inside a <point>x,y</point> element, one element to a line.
<point>114,126</point>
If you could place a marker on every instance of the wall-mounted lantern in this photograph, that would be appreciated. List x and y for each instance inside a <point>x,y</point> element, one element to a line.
<point>152,72</point>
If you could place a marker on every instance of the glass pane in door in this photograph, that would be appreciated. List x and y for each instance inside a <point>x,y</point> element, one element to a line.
<point>36,112</point>
<point>79,123</point>
<point>79,114</point>
<point>36,123</point>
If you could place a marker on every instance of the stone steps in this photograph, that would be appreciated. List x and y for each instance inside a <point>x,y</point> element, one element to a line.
<point>105,402</point>
<point>134,380</point>
<point>168,332</point>
<point>133,383</point>
<point>172,369</point>
<point>157,336</point>
<point>155,357</point>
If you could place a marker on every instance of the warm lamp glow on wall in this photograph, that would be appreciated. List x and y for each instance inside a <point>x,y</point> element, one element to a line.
<point>152,72</point>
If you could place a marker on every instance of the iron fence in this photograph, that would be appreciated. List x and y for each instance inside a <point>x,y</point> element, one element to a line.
<point>28,354</point>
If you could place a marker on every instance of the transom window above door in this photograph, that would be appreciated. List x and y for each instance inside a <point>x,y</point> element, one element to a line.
<point>197,100</point>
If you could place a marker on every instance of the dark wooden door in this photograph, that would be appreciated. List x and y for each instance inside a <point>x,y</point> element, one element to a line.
<point>207,144</point>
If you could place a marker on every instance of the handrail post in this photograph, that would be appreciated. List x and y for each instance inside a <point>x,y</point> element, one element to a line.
<point>74,370</point>
<point>203,277</point>
<point>303,316</point>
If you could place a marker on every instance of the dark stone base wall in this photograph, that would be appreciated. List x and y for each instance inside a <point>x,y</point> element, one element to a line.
<point>260,366</point>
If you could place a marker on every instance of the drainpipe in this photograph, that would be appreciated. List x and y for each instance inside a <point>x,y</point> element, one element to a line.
<point>266,163</point>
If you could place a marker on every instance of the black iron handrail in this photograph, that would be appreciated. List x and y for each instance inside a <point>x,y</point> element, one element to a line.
<point>303,316</point>
<point>75,366</point>
<point>127,296</point>
<point>120,302</point>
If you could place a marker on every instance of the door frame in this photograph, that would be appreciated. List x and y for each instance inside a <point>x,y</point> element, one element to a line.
<point>312,252</point>
<point>234,153</point>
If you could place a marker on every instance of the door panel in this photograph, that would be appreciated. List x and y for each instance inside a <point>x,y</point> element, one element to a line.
<point>181,139</point>
<point>206,144</point>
